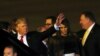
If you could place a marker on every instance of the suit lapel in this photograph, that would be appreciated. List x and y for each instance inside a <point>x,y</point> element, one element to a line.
<point>88,38</point>
<point>28,40</point>
<point>15,35</point>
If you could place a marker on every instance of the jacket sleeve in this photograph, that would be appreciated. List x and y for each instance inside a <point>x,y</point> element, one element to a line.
<point>47,33</point>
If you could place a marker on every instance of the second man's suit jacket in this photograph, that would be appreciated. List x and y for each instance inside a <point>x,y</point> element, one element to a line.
<point>92,44</point>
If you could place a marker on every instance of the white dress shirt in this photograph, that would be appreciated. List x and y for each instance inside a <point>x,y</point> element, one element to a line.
<point>24,39</point>
<point>56,27</point>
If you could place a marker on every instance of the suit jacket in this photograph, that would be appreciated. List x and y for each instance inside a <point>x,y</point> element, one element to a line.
<point>22,50</point>
<point>92,44</point>
<point>35,39</point>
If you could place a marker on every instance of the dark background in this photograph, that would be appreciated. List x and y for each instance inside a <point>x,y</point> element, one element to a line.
<point>36,10</point>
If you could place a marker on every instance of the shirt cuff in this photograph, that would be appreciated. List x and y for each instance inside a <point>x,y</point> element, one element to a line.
<point>56,27</point>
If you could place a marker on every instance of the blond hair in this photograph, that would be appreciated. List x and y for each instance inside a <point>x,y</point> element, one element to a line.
<point>15,22</point>
<point>19,20</point>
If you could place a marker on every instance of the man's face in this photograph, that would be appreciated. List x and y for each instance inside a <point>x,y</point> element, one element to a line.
<point>63,29</point>
<point>48,23</point>
<point>9,52</point>
<point>84,21</point>
<point>22,28</point>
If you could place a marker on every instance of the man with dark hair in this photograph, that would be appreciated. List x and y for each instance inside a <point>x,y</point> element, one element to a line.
<point>53,18</point>
<point>91,37</point>
<point>10,51</point>
<point>89,14</point>
<point>49,21</point>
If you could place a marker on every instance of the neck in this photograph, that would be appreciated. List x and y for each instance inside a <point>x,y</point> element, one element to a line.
<point>91,23</point>
<point>21,34</point>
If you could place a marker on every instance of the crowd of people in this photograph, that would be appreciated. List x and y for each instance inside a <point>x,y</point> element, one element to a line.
<point>55,38</point>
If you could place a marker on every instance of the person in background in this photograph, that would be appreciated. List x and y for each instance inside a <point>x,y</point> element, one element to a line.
<point>10,51</point>
<point>49,21</point>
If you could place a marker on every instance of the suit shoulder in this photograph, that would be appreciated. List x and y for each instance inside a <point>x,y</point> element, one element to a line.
<point>33,33</point>
<point>97,27</point>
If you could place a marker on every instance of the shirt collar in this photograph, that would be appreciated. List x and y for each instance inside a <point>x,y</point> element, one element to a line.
<point>90,28</point>
<point>19,35</point>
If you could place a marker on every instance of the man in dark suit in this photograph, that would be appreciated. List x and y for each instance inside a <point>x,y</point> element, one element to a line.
<point>22,50</point>
<point>91,37</point>
<point>34,39</point>
<point>6,39</point>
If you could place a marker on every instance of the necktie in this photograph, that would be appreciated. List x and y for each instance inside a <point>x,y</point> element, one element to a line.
<point>21,39</point>
<point>85,37</point>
